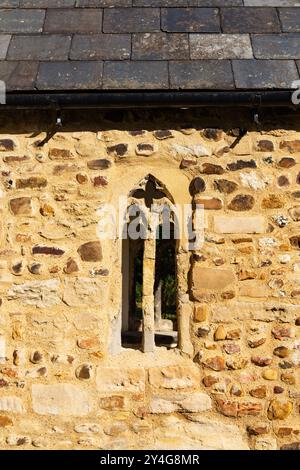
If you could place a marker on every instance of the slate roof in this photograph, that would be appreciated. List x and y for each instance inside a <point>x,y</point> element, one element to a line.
<point>149,44</point>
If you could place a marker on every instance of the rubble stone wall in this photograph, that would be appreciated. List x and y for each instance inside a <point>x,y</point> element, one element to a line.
<point>234,382</point>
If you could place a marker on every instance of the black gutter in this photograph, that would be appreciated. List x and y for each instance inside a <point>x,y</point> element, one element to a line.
<point>148,99</point>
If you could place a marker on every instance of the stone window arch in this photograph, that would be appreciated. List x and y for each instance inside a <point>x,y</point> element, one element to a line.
<point>150,320</point>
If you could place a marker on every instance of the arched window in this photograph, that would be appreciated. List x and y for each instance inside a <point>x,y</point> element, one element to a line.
<point>149,290</point>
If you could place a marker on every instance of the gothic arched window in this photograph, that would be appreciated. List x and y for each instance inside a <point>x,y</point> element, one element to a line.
<point>149,292</point>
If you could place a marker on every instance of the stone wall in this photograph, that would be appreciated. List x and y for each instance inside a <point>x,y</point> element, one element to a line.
<point>234,384</point>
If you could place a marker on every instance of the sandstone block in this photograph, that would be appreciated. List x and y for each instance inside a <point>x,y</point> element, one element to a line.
<point>211,278</point>
<point>21,206</point>
<point>90,251</point>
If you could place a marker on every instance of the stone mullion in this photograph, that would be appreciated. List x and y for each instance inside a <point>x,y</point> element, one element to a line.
<point>148,295</point>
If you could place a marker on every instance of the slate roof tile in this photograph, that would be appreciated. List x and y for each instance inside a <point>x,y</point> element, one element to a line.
<point>149,44</point>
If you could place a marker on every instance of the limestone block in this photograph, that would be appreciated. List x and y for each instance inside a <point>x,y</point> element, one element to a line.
<point>115,379</point>
<point>174,377</point>
<point>41,294</point>
<point>253,224</point>
<point>12,404</point>
<point>193,403</point>
<point>60,399</point>
<point>83,291</point>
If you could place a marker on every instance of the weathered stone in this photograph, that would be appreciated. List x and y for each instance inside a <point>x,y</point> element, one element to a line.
<point>228,408</point>
<point>112,403</point>
<point>15,159</point>
<point>295,213</point>
<point>84,371</point>
<point>90,251</point>
<point>203,331</point>
<point>231,348</point>
<point>237,363</point>
<point>281,351</point>
<point>220,333</point>
<point>174,377</point>
<point>249,409</point>
<point>216,363</point>
<point>34,182</point>
<point>41,294</point>
<point>259,392</point>
<point>35,268</point>
<point>211,169</point>
<point>145,149</point>
<point>261,361</point>
<point>209,203</point>
<point>265,443</point>
<point>87,428</point>
<point>256,342</point>
<point>280,332</point>
<point>115,380</point>
<point>288,378</point>
<point>297,322</point>
<point>7,145</point>
<point>187,162</point>
<point>82,178</point>
<point>273,201</point>
<point>100,164</point>
<point>60,399</point>
<point>191,151</point>
<point>71,266</point>
<point>5,421</point>
<point>60,154</point>
<point>283,181</point>
<point>242,202</point>
<point>270,374</point>
<point>278,390</point>
<point>241,165</point>
<point>292,446</point>
<point>83,291</point>
<point>36,357</point>
<point>225,186</point>
<point>47,250</point>
<point>88,343</point>
<point>258,430</point>
<point>253,224</point>
<point>265,145</point>
<point>163,134</point>
<point>287,162</point>
<point>100,181</point>
<point>295,241</point>
<point>193,403</point>
<point>47,211</point>
<point>213,134</point>
<point>210,380</point>
<point>12,404</point>
<point>200,312</point>
<point>291,146</point>
<point>21,206</point>
<point>234,334</point>
<point>211,278</point>
<point>119,150</point>
<point>197,186</point>
<point>279,409</point>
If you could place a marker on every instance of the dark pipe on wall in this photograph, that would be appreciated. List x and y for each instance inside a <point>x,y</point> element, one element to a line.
<point>149,99</point>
